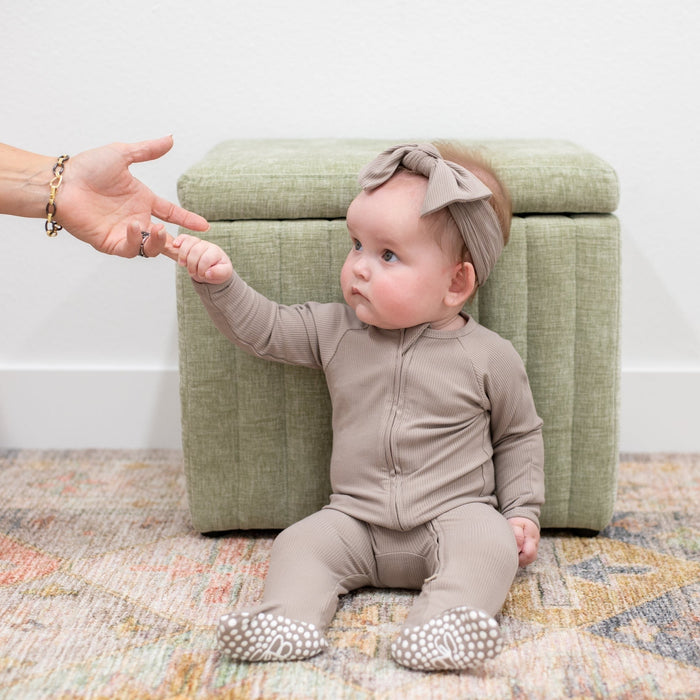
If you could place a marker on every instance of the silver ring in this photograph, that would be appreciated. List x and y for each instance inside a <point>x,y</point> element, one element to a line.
<point>144,238</point>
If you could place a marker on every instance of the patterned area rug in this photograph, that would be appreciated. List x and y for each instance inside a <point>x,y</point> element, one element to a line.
<point>106,592</point>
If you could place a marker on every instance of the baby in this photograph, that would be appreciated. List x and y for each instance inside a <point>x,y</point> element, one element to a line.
<point>437,462</point>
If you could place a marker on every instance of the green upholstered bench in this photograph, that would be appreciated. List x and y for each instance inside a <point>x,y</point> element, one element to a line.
<point>256,435</point>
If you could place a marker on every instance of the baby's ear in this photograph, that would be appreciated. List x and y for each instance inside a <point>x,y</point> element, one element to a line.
<point>462,285</point>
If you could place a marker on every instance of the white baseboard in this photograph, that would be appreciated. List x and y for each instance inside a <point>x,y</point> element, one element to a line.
<point>660,411</point>
<point>140,409</point>
<point>74,408</point>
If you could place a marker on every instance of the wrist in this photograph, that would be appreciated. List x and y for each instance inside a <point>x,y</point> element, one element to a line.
<point>51,225</point>
<point>33,189</point>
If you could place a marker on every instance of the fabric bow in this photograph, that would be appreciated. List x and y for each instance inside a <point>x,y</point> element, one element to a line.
<point>449,185</point>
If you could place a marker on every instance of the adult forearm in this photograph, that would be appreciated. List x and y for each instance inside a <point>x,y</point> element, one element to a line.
<point>24,182</point>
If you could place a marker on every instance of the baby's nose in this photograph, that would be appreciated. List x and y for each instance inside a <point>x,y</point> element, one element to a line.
<point>361,268</point>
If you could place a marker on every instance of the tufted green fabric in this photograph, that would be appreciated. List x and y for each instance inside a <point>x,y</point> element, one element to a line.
<point>281,179</point>
<point>256,435</point>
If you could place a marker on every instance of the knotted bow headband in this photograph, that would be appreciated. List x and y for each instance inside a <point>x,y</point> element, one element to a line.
<point>449,185</point>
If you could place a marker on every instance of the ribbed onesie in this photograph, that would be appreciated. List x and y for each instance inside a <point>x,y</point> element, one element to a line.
<point>436,442</point>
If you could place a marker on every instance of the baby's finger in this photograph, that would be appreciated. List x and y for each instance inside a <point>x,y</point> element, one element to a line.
<point>184,247</point>
<point>182,238</point>
<point>206,261</point>
<point>196,252</point>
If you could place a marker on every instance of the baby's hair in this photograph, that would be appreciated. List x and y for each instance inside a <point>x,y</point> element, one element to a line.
<point>477,164</point>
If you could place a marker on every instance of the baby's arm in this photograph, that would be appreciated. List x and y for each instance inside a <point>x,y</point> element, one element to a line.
<point>527,536</point>
<point>250,320</point>
<point>205,261</point>
<point>518,450</point>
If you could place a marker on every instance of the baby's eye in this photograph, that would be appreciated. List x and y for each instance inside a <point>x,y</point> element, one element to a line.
<point>356,245</point>
<point>389,256</point>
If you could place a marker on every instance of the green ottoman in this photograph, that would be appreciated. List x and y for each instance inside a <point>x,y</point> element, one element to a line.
<point>256,435</point>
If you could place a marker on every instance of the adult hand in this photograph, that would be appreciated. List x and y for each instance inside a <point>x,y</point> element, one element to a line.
<point>103,204</point>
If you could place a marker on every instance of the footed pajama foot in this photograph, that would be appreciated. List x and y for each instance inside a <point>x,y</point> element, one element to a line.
<point>458,639</point>
<point>265,637</point>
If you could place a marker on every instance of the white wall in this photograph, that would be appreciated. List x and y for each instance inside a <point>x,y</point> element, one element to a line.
<point>88,343</point>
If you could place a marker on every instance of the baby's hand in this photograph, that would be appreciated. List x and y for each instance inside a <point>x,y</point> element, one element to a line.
<point>205,261</point>
<point>527,536</point>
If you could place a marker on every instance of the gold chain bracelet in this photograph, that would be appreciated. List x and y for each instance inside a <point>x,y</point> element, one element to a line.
<point>51,226</point>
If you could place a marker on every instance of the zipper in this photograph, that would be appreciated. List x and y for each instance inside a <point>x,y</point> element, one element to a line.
<point>394,468</point>
<point>407,338</point>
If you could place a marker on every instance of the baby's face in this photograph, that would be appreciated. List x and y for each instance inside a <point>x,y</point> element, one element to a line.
<point>396,274</point>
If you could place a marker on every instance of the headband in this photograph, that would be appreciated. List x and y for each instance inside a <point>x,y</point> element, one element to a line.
<point>449,185</point>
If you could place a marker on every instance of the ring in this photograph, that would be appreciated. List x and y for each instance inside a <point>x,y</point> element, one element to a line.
<point>144,238</point>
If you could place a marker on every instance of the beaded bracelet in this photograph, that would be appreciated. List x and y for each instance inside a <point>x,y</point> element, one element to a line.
<point>51,226</point>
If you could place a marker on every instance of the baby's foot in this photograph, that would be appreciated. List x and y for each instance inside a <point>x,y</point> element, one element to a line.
<point>456,640</point>
<point>265,637</point>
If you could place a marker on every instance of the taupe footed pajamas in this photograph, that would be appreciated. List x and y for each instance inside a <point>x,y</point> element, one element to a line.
<point>436,442</point>
<point>467,555</point>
